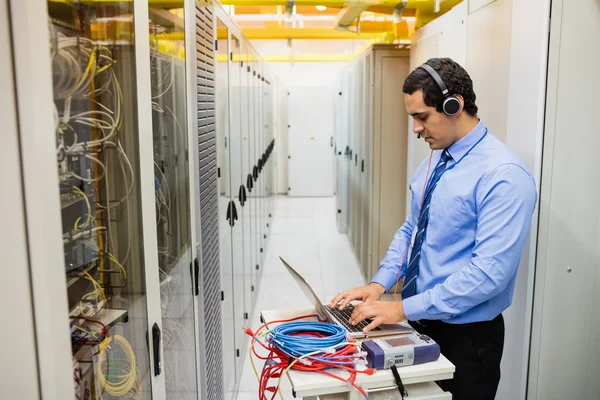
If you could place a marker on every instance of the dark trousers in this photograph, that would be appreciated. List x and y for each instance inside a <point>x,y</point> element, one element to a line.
<point>475,349</point>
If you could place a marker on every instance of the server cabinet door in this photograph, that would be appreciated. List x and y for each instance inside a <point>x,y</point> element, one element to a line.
<point>365,164</point>
<point>259,161</point>
<point>254,146</point>
<point>177,268</point>
<point>207,214</point>
<point>246,117</point>
<point>352,156</point>
<point>103,186</point>
<point>227,216</point>
<point>241,308</point>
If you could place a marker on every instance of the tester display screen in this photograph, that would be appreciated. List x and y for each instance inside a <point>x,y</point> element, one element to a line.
<point>401,341</point>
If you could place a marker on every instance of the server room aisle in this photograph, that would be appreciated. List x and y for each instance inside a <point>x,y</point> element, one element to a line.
<point>304,233</point>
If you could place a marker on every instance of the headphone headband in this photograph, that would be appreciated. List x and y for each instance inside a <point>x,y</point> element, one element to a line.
<point>451,106</point>
<point>436,77</point>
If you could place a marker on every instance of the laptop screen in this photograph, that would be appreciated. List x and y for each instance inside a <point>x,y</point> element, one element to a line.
<point>307,290</point>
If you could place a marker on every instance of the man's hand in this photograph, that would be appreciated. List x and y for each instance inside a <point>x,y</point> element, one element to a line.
<point>382,312</point>
<point>371,292</point>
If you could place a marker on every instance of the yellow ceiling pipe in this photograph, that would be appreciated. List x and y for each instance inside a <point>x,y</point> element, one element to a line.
<point>291,33</point>
<point>398,31</point>
<point>426,7</point>
<point>153,3</point>
<point>327,3</point>
<point>306,33</point>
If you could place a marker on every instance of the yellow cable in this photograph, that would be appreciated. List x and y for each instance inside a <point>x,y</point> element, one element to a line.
<point>125,385</point>
<point>84,330</point>
<point>89,207</point>
<point>96,285</point>
<point>114,259</point>
<point>88,69</point>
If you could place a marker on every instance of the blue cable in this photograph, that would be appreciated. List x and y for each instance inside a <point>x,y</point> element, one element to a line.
<point>297,346</point>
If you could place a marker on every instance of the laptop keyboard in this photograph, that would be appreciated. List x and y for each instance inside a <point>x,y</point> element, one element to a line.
<point>343,316</point>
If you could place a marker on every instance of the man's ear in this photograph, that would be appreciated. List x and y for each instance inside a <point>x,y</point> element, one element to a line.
<point>461,100</point>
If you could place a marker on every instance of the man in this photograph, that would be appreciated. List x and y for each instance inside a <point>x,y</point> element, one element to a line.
<point>468,225</point>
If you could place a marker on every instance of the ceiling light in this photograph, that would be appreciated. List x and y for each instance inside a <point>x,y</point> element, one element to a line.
<point>321,8</point>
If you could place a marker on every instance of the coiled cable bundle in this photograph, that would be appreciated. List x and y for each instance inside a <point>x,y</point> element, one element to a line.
<point>305,346</point>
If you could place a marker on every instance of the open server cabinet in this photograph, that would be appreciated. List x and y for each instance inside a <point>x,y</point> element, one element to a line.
<point>115,139</point>
<point>371,143</point>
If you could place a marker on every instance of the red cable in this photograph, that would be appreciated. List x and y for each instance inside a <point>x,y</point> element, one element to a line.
<point>420,208</point>
<point>104,328</point>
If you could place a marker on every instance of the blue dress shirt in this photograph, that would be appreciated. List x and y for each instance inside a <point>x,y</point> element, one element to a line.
<point>479,218</point>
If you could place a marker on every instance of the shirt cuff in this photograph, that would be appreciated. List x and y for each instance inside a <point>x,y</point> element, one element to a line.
<point>414,307</point>
<point>385,278</point>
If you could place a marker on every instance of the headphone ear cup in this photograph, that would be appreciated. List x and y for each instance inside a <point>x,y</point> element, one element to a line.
<point>451,106</point>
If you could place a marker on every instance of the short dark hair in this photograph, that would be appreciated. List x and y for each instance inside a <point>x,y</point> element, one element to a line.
<point>456,79</point>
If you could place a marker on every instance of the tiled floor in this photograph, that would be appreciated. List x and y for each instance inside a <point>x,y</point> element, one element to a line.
<point>304,232</point>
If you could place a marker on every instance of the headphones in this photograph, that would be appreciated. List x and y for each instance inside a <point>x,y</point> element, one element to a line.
<point>451,105</point>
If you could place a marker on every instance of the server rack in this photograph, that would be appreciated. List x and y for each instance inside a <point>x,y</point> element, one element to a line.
<point>118,132</point>
<point>372,165</point>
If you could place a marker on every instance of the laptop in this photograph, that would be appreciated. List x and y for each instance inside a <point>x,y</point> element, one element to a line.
<point>342,317</point>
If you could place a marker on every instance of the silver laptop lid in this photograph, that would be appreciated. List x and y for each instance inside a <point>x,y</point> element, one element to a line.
<point>308,292</point>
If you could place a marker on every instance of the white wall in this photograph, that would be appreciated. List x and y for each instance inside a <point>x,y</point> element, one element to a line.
<point>308,73</point>
<point>299,74</point>
<point>488,57</point>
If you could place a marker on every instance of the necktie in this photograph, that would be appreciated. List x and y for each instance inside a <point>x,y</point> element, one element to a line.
<point>410,280</point>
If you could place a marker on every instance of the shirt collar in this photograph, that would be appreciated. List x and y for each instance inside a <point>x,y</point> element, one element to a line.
<point>459,149</point>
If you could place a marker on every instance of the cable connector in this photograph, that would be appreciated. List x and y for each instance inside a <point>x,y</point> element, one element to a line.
<point>304,361</point>
<point>360,363</point>
<point>248,331</point>
<point>270,362</point>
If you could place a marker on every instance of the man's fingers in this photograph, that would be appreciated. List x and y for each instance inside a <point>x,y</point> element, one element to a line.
<point>376,322</point>
<point>360,314</point>
<point>347,300</point>
<point>353,295</point>
<point>337,299</point>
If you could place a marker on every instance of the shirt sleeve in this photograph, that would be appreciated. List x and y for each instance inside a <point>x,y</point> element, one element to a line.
<point>505,201</point>
<point>387,274</point>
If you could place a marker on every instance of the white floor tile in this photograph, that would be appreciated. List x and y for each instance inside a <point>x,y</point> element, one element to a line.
<point>304,224</point>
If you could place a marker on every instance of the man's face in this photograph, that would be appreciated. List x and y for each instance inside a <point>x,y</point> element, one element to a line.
<point>436,128</point>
